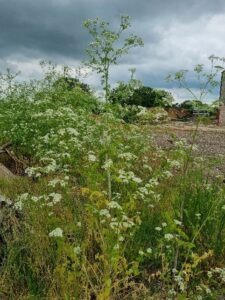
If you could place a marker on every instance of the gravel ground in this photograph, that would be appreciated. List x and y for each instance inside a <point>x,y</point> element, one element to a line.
<point>210,140</point>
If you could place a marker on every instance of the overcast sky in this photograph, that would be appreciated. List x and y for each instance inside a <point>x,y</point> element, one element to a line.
<point>177,35</point>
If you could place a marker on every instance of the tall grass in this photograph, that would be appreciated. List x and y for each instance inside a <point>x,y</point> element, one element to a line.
<point>160,234</point>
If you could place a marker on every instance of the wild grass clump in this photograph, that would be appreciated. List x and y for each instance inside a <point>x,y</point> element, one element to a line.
<point>103,213</point>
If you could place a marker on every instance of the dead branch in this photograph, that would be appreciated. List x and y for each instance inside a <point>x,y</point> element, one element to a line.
<point>4,147</point>
<point>18,162</point>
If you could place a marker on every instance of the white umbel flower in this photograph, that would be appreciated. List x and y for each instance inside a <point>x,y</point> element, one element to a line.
<point>58,232</point>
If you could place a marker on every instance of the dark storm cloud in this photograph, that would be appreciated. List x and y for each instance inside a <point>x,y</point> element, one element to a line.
<point>172,31</point>
<point>55,27</point>
<point>40,26</point>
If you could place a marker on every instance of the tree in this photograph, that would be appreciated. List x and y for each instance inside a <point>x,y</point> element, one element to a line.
<point>142,95</point>
<point>70,83</point>
<point>104,50</point>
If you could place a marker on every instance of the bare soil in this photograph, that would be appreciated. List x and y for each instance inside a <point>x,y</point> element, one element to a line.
<point>210,139</point>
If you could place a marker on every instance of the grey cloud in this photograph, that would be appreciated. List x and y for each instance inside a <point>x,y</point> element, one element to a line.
<point>55,27</point>
<point>175,32</point>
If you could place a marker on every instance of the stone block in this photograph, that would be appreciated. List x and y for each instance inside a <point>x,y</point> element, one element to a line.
<point>221,121</point>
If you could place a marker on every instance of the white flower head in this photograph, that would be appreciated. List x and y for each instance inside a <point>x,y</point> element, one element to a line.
<point>121,238</point>
<point>104,212</point>
<point>198,215</point>
<point>77,250</point>
<point>56,181</point>
<point>149,250</point>
<point>92,157</point>
<point>55,197</point>
<point>177,222</point>
<point>18,205</point>
<point>168,236</point>
<point>168,174</point>
<point>114,204</point>
<point>72,131</point>
<point>107,165</point>
<point>58,232</point>
<point>158,228</point>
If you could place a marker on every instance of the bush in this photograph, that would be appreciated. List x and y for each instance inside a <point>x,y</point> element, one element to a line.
<point>141,96</point>
<point>156,115</point>
<point>196,105</point>
<point>70,83</point>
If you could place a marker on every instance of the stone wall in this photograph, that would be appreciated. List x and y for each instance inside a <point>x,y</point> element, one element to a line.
<point>221,121</point>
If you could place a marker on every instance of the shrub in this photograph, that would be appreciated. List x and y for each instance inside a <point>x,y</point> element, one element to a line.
<point>141,96</point>
<point>156,115</point>
<point>196,105</point>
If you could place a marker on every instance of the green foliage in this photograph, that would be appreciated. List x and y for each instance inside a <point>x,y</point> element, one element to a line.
<point>65,238</point>
<point>70,84</point>
<point>158,235</point>
<point>127,94</point>
<point>196,105</point>
<point>155,115</point>
<point>103,51</point>
<point>23,105</point>
<point>127,113</point>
